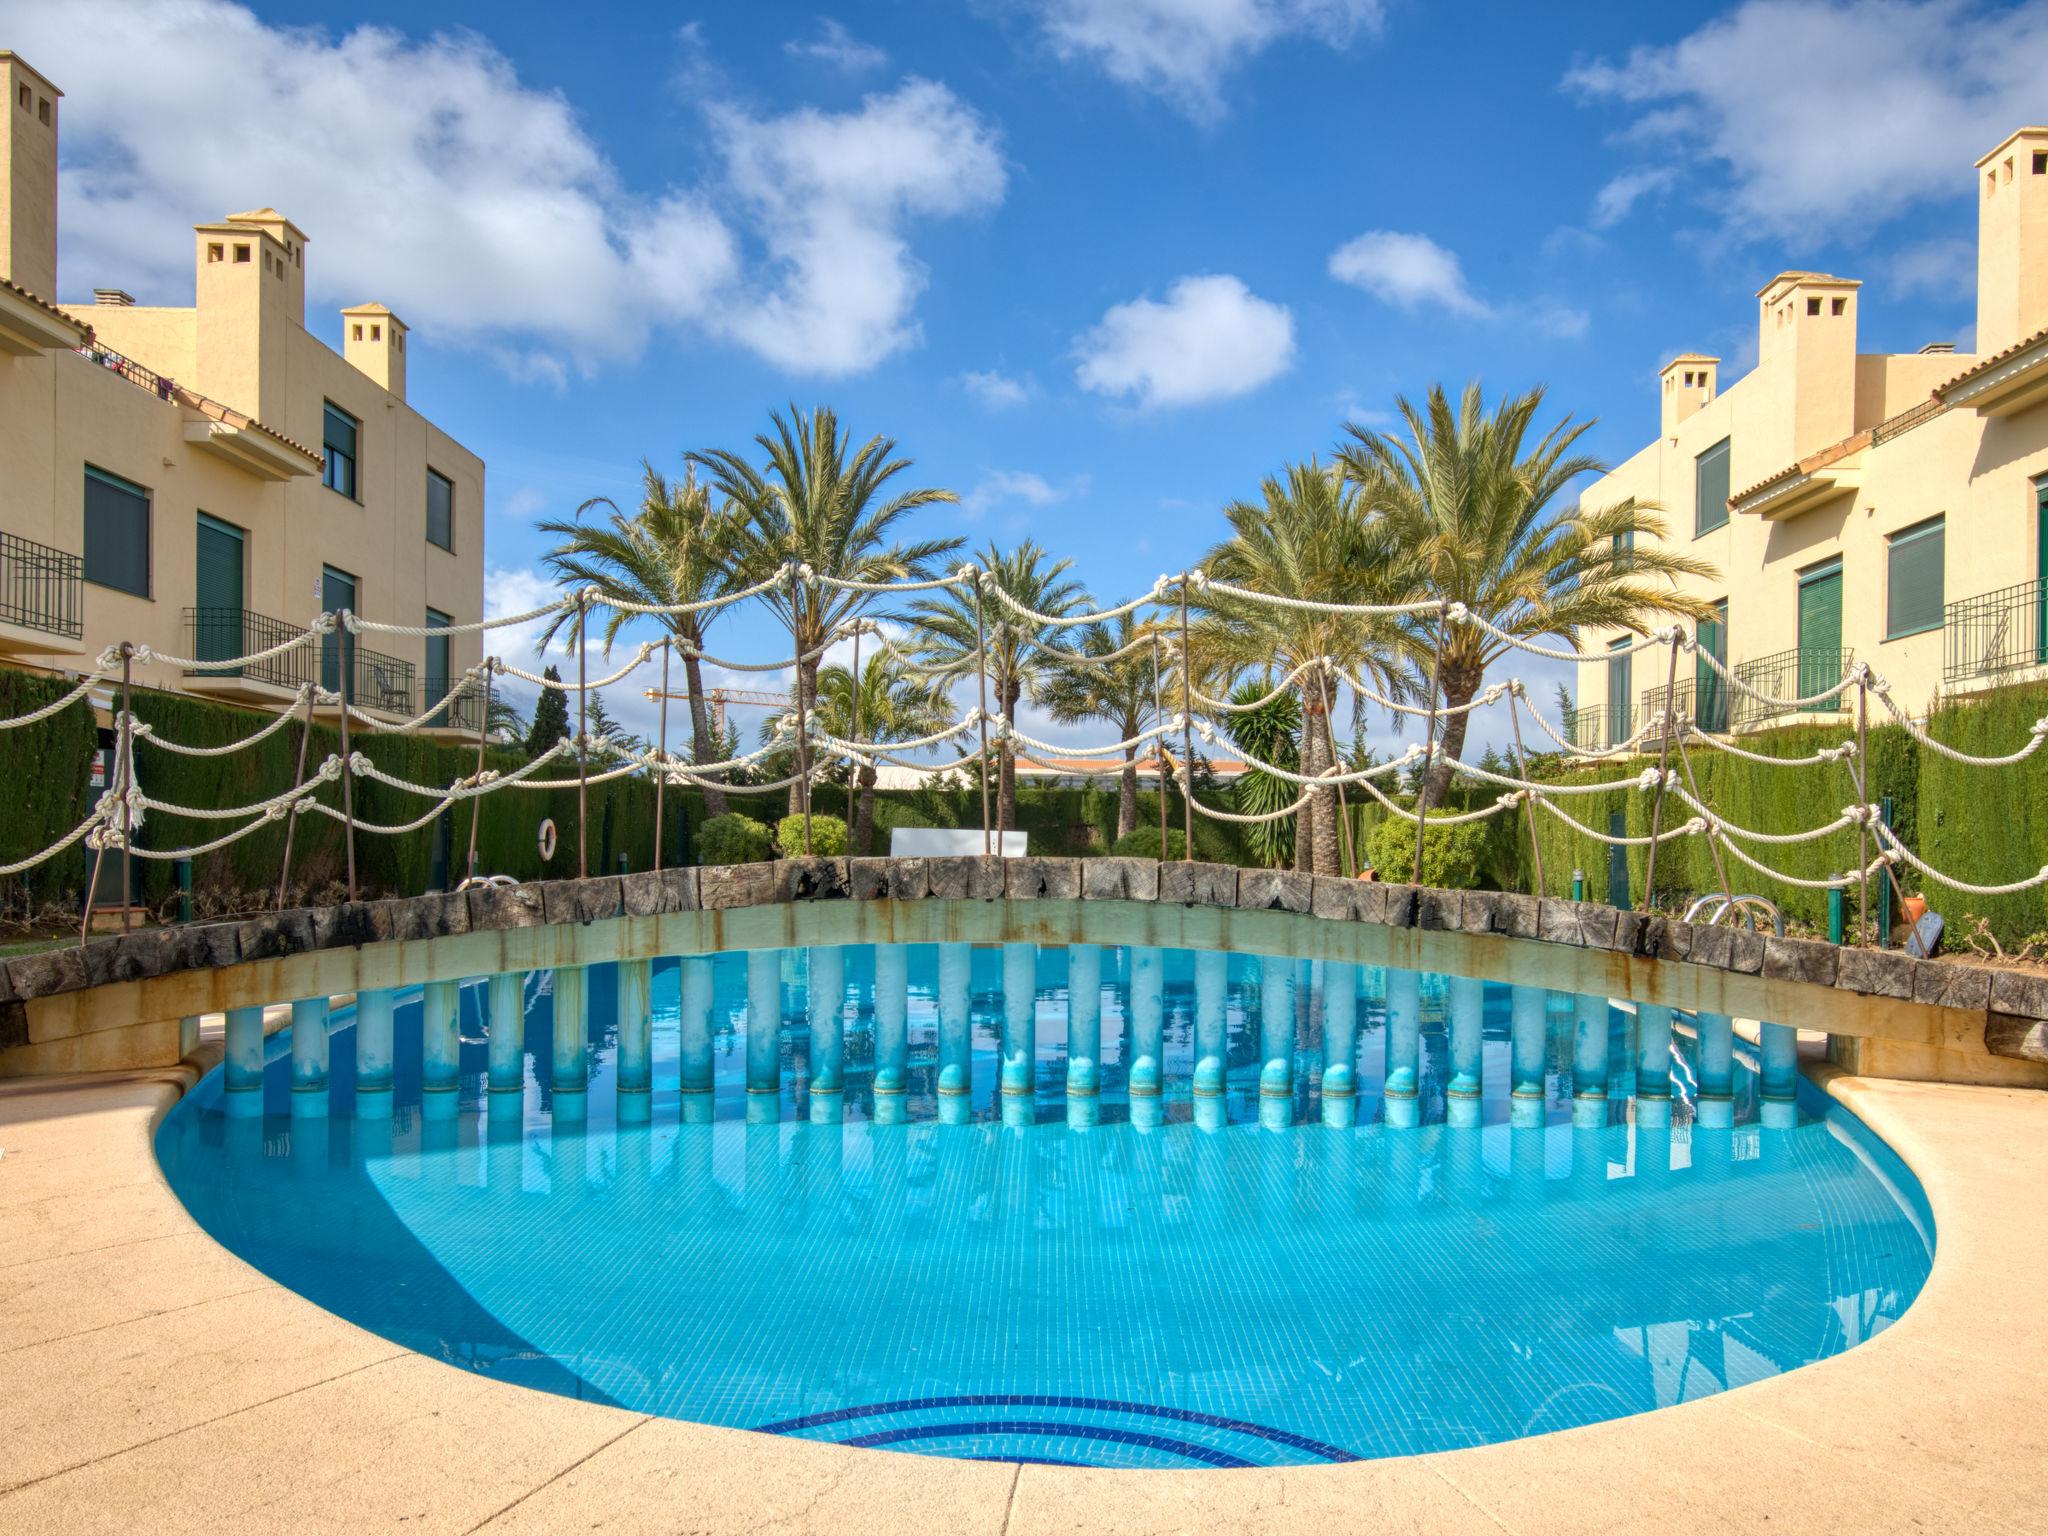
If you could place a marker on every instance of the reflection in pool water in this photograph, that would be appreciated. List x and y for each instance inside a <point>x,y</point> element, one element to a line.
<point>1124,1294</point>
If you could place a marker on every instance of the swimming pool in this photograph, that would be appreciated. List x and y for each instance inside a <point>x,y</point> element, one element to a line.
<point>1205,1236</point>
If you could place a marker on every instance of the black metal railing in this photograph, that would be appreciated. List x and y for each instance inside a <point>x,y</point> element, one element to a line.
<point>1995,634</point>
<point>221,634</point>
<point>374,680</point>
<point>41,588</point>
<point>132,371</point>
<point>1680,695</point>
<point>1798,673</point>
<point>464,712</point>
<point>1906,421</point>
<point>1586,727</point>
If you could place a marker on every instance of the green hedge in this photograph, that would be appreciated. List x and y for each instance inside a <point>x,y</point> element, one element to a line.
<point>45,768</point>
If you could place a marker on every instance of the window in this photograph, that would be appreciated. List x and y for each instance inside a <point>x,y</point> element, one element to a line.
<point>439,665</point>
<point>215,251</point>
<point>1624,546</point>
<point>24,98</point>
<point>339,437</point>
<point>2040,163</point>
<point>1839,307</point>
<point>1913,580</point>
<point>1710,690</point>
<point>1813,306</point>
<point>217,588</point>
<point>356,332</point>
<point>1710,489</point>
<point>440,510</point>
<point>43,110</point>
<point>116,532</point>
<point>241,253</point>
<point>1619,691</point>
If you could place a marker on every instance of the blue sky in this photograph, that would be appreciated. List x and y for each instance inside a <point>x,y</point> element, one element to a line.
<point>1099,265</point>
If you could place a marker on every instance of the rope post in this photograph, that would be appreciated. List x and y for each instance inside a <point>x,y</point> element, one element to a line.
<point>124,744</point>
<point>348,772</point>
<point>853,785</point>
<point>476,801</point>
<point>291,823</point>
<point>661,762</point>
<point>1713,832</point>
<point>981,682</point>
<point>1436,677</point>
<point>1663,767</point>
<point>1159,741</point>
<point>1187,739</point>
<point>1861,777</point>
<point>1528,794</point>
<point>582,734</point>
<point>803,739</point>
<point>1343,805</point>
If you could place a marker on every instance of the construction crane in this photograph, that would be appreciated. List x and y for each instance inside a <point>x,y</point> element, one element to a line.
<point>718,698</point>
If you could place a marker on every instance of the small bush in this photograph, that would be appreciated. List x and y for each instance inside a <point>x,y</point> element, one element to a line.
<point>828,836</point>
<point>1142,842</point>
<point>1452,857</point>
<point>733,839</point>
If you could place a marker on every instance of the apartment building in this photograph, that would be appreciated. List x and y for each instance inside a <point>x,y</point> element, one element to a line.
<point>1882,507</point>
<point>205,480</point>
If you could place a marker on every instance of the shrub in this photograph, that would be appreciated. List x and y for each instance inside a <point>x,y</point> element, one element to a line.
<point>1142,842</point>
<point>1452,857</point>
<point>828,836</point>
<point>733,839</point>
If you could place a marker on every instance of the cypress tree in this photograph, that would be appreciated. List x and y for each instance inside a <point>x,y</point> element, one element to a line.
<point>550,717</point>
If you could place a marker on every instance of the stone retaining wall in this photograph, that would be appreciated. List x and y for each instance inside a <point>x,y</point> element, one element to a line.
<point>2012,1005</point>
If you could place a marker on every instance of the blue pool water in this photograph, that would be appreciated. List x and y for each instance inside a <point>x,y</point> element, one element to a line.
<point>1111,1296</point>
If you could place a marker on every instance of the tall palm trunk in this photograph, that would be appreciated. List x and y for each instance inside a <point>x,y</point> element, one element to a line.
<point>1460,682</point>
<point>1305,828</point>
<point>1127,794</point>
<point>864,812</point>
<point>1322,806</point>
<point>1006,764</point>
<point>704,747</point>
<point>807,691</point>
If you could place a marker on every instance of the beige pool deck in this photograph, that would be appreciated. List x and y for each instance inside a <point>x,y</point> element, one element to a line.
<point>152,1382</point>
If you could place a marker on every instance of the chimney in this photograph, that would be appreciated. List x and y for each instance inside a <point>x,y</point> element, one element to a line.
<point>115,298</point>
<point>373,341</point>
<point>1686,384</point>
<point>2012,241</point>
<point>1806,337</point>
<point>28,179</point>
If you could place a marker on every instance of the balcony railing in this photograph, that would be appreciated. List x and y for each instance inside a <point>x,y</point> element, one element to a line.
<point>1587,727</point>
<point>373,680</point>
<point>1797,673</point>
<point>41,588</point>
<point>132,371</point>
<point>1995,635</point>
<point>1906,421</point>
<point>464,712</point>
<point>1680,695</point>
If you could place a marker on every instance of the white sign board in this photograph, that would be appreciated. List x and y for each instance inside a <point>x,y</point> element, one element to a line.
<point>941,842</point>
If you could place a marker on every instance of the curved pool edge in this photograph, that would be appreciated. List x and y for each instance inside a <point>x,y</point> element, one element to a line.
<point>159,1376</point>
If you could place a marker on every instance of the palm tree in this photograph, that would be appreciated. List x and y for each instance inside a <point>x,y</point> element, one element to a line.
<point>1269,729</point>
<point>1118,693</point>
<point>1302,539</point>
<point>1463,506</point>
<point>1018,665</point>
<point>677,548</point>
<point>811,504</point>
<point>888,703</point>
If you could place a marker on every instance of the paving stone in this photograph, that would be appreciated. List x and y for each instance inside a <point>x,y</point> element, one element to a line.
<point>653,892</point>
<point>1033,879</point>
<point>1443,911</point>
<point>724,886</point>
<point>1111,879</point>
<point>888,879</point>
<point>965,878</point>
<point>1630,927</point>
<point>493,908</point>
<point>131,956</point>
<point>1712,944</point>
<point>1196,884</point>
<point>1806,960</point>
<point>1334,897</point>
<point>1876,972</point>
<point>47,972</point>
<point>2005,1034</point>
<point>1505,912</point>
<point>580,901</point>
<point>1946,985</point>
<point>275,935</point>
<point>1399,910</point>
<point>342,925</point>
<point>1745,951</point>
<point>816,878</point>
<point>1666,938</point>
<point>1273,890</point>
<point>2024,993</point>
<point>1558,921</point>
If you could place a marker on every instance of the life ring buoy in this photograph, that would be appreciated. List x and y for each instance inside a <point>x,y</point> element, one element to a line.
<point>547,838</point>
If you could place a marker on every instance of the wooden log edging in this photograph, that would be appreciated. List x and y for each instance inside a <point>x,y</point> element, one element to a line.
<point>2006,1010</point>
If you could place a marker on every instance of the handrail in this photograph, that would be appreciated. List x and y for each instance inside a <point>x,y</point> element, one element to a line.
<point>1745,905</point>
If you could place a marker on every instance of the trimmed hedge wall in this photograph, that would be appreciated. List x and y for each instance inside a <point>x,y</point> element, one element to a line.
<point>45,768</point>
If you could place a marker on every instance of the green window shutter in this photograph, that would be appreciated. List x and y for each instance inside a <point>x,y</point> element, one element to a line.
<point>1820,630</point>
<point>1710,489</point>
<point>1710,692</point>
<point>1620,690</point>
<point>217,626</point>
<point>116,532</point>
<point>1913,580</point>
<point>338,650</point>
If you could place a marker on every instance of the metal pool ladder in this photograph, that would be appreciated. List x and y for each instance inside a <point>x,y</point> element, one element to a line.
<point>1745,907</point>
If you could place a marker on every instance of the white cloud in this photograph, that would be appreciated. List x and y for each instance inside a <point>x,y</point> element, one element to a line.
<point>1000,485</point>
<point>427,174</point>
<point>1832,116</point>
<point>1407,271</point>
<point>836,46</point>
<point>1618,198</point>
<point>516,589</point>
<point>830,193</point>
<point>1211,338</point>
<point>1182,50</point>
<point>1940,268</point>
<point>1559,322</point>
<point>523,505</point>
<point>997,391</point>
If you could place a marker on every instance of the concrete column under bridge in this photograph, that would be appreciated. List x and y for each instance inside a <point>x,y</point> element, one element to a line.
<point>892,1037</point>
<point>956,1040</point>
<point>694,996</point>
<point>635,1023</point>
<point>1465,1007</point>
<point>825,1004</point>
<point>1084,1034</point>
<point>1145,1040</point>
<point>1403,1105</point>
<point>764,1035</point>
